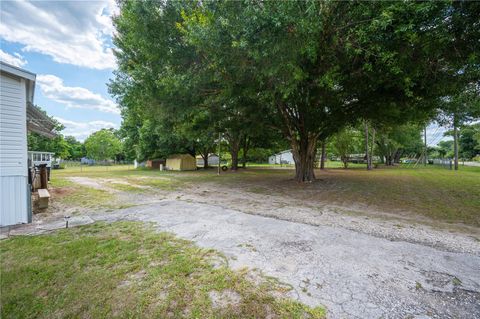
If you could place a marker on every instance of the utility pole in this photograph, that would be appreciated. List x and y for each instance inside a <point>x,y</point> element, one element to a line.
<point>425,146</point>
<point>219,157</point>
<point>367,155</point>
<point>455,144</point>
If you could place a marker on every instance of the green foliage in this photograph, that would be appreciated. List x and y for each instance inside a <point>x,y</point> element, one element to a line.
<point>346,142</point>
<point>57,144</point>
<point>445,149</point>
<point>393,142</point>
<point>103,145</point>
<point>305,69</point>
<point>469,141</point>
<point>76,148</point>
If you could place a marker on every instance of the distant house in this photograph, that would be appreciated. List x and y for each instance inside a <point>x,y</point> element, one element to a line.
<point>181,162</point>
<point>212,160</point>
<point>17,115</point>
<point>285,157</point>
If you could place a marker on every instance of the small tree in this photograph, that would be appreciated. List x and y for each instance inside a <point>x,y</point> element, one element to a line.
<point>103,145</point>
<point>344,144</point>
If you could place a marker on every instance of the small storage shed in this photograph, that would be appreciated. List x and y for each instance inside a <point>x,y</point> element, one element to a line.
<point>17,114</point>
<point>155,163</point>
<point>181,162</point>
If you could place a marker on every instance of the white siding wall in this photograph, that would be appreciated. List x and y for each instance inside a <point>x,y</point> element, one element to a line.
<point>281,158</point>
<point>14,207</point>
<point>13,151</point>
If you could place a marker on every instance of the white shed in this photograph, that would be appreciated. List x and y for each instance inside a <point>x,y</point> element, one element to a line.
<point>285,157</point>
<point>16,114</point>
<point>212,160</point>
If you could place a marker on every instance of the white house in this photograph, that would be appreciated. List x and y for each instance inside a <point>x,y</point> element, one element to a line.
<point>17,114</point>
<point>37,158</point>
<point>212,160</point>
<point>285,157</point>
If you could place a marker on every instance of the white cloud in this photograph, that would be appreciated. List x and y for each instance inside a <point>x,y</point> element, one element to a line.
<point>53,88</point>
<point>81,130</point>
<point>435,134</point>
<point>15,59</point>
<point>72,32</point>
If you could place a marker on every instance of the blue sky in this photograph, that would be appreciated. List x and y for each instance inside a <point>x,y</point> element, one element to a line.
<point>68,45</point>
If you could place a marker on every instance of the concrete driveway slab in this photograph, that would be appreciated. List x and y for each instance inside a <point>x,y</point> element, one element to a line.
<point>354,275</point>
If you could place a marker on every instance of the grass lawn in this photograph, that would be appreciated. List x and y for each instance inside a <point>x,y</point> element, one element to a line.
<point>78,195</point>
<point>433,192</point>
<point>126,270</point>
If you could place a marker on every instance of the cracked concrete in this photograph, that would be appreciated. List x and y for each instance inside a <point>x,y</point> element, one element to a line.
<point>354,275</point>
<point>356,266</point>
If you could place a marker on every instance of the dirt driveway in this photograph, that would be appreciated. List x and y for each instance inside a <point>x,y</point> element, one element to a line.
<point>356,266</point>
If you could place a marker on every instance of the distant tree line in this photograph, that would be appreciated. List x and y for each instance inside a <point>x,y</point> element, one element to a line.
<point>102,145</point>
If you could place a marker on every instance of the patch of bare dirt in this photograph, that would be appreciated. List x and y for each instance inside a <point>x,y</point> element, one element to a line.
<point>90,182</point>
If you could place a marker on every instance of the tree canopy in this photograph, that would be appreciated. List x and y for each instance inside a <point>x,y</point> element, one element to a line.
<point>103,145</point>
<point>306,69</point>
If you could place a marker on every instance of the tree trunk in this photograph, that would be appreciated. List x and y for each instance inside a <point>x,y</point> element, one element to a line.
<point>389,160</point>
<point>367,155</point>
<point>205,161</point>
<point>425,160</point>
<point>234,150</point>
<point>246,146</point>
<point>344,160</point>
<point>304,151</point>
<point>322,159</point>
<point>234,143</point>
<point>373,145</point>
<point>234,153</point>
<point>455,143</point>
<point>397,156</point>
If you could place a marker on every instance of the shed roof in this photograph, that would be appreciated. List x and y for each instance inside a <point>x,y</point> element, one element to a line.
<point>209,155</point>
<point>180,156</point>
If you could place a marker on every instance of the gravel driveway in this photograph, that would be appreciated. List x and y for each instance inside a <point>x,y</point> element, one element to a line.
<point>354,275</point>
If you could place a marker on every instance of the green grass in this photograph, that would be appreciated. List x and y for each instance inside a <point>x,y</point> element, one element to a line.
<point>126,270</point>
<point>78,195</point>
<point>433,192</point>
<point>88,197</point>
<point>126,187</point>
